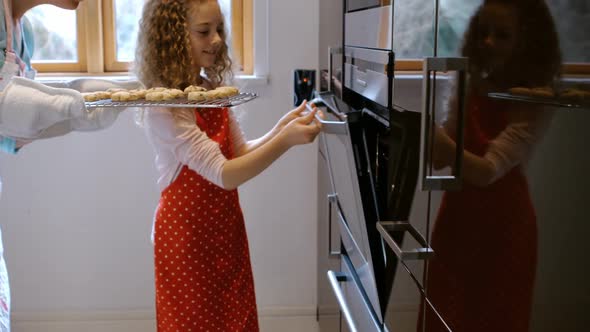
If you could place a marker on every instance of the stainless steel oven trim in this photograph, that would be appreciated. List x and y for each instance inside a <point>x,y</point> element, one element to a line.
<point>370,84</point>
<point>429,182</point>
<point>370,28</point>
<point>325,148</point>
<point>354,5</point>
<point>366,78</point>
<point>335,279</point>
<point>332,52</point>
<point>332,202</point>
<point>347,276</point>
<point>376,56</point>
<point>333,127</point>
<point>363,267</point>
<point>353,230</point>
<point>342,133</point>
<point>332,197</point>
<point>425,252</point>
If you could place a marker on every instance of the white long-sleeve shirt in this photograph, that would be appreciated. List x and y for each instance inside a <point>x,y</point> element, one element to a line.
<point>514,145</point>
<point>178,141</point>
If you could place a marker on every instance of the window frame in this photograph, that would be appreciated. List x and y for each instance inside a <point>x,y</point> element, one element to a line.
<point>96,22</point>
<point>81,64</point>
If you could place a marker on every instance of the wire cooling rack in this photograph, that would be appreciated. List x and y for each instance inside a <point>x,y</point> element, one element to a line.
<point>179,102</point>
<point>556,101</point>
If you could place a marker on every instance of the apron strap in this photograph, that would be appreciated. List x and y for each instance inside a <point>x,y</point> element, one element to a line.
<point>10,54</point>
<point>9,25</point>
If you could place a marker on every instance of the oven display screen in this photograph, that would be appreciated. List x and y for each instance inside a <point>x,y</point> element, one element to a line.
<point>354,5</point>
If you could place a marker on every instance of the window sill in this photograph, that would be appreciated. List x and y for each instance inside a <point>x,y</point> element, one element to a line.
<point>64,77</point>
<point>240,80</point>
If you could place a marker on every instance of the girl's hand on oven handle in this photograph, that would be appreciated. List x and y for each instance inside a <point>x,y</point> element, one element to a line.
<point>443,152</point>
<point>319,117</point>
<point>301,130</point>
<point>302,110</point>
<point>289,116</point>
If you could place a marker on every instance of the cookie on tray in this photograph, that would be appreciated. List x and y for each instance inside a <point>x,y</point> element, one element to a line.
<point>176,93</point>
<point>575,94</point>
<point>139,92</point>
<point>103,95</point>
<point>158,96</point>
<point>125,96</point>
<point>194,88</point>
<point>229,91</point>
<point>543,92</point>
<point>215,94</point>
<point>197,96</point>
<point>520,91</point>
<point>121,96</point>
<point>90,96</point>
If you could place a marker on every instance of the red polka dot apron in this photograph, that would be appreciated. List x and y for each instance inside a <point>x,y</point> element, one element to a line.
<point>202,264</point>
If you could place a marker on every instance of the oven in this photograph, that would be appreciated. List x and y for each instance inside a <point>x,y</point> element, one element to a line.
<point>373,161</point>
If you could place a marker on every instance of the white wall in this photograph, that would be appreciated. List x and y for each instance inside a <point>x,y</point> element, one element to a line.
<point>76,211</point>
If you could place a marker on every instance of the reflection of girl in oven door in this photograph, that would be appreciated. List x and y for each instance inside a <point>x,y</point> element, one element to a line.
<point>31,111</point>
<point>485,236</point>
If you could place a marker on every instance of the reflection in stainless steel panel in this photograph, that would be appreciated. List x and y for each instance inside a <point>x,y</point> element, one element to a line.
<point>375,56</point>
<point>370,84</point>
<point>370,74</point>
<point>370,28</point>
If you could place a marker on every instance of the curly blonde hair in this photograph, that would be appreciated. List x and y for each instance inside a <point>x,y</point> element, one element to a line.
<point>163,53</point>
<point>537,59</point>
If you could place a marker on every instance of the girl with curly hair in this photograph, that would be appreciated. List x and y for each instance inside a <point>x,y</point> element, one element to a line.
<point>202,263</point>
<point>485,236</point>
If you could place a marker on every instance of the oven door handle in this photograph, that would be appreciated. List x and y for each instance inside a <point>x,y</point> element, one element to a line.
<point>335,279</point>
<point>385,227</point>
<point>453,182</point>
<point>330,127</point>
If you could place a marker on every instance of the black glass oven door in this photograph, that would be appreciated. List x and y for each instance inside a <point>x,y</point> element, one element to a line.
<point>342,164</point>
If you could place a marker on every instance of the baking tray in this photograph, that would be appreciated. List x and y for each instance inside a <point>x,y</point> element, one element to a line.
<point>555,101</point>
<point>177,103</point>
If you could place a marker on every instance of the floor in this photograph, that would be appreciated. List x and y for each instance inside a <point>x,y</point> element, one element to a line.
<point>267,324</point>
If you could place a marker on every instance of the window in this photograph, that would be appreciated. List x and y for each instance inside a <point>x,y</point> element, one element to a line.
<point>57,49</point>
<point>101,35</point>
<point>414,30</point>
